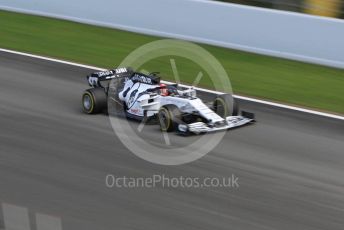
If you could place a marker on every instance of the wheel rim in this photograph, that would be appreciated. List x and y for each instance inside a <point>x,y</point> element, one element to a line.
<point>87,102</point>
<point>163,120</point>
<point>220,108</point>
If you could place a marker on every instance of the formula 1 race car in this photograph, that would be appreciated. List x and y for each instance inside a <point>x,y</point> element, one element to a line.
<point>143,97</point>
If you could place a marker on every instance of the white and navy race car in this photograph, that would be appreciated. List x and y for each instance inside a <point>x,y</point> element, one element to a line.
<point>143,97</point>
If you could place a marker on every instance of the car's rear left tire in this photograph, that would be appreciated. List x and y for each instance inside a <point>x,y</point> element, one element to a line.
<point>94,100</point>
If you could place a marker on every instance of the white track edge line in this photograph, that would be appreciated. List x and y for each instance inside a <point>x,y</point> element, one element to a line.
<point>200,89</point>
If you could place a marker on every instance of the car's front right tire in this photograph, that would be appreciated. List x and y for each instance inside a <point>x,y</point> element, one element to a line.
<point>169,117</point>
<point>94,100</point>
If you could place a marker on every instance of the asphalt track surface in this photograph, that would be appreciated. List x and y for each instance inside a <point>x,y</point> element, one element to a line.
<point>54,159</point>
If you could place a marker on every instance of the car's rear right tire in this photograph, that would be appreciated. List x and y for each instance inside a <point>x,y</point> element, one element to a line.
<point>94,100</point>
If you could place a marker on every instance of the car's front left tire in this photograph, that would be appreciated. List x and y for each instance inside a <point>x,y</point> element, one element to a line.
<point>94,100</point>
<point>225,105</point>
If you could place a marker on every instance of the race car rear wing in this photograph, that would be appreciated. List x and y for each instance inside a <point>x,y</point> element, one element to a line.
<point>94,79</point>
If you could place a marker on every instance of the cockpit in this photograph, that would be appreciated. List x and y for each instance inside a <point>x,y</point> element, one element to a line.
<point>172,90</point>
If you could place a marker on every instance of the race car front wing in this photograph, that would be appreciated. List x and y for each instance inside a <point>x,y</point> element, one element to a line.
<point>230,123</point>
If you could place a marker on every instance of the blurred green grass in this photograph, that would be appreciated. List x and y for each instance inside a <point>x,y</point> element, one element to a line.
<point>253,75</point>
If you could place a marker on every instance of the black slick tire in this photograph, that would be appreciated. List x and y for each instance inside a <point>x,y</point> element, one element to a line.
<point>225,105</point>
<point>169,117</point>
<point>94,100</point>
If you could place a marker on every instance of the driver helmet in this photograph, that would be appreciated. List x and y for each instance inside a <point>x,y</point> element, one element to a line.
<point>163,89</point>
